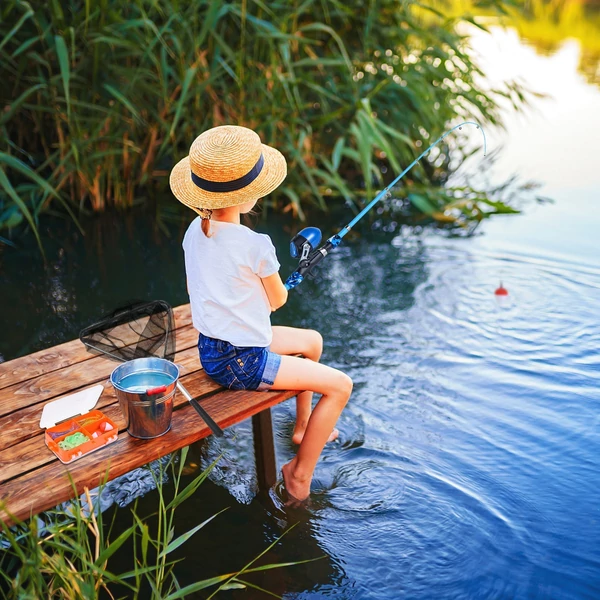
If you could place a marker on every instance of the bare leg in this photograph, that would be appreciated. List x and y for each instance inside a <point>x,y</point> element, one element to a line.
<point>301,374</point>
<point>309,343</point>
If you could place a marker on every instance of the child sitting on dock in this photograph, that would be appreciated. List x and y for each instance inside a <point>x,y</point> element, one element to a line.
<point>234,285</point>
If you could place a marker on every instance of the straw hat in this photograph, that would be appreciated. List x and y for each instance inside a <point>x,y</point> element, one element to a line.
<point>227,165</point>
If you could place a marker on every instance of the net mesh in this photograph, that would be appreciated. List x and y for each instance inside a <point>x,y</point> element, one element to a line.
<point>137,330</point>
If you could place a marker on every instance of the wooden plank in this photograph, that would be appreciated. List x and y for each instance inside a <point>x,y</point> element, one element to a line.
<point>45,487</point>
<point>264,449</point>
<point>24,368</point>
<point>31,453</point>
<point>73,377</point>
<point>45,361</point>
<point>24,423</point>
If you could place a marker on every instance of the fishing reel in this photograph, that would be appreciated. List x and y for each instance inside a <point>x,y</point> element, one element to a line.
<point>303,247</point>
<point>304,242</point>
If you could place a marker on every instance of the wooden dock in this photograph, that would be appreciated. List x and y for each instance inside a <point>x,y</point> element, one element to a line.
<point>32,479</point>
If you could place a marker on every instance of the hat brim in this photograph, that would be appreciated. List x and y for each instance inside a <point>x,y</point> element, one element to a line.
<point>186,191</point>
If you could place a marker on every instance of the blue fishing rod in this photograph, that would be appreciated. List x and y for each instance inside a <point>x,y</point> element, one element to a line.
<point>303,244</point>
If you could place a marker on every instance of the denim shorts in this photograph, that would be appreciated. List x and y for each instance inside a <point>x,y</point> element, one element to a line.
<point>238,368</point>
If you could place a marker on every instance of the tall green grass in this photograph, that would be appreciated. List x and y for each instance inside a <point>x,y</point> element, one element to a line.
<point>76,556</point>
<point>103,96</point>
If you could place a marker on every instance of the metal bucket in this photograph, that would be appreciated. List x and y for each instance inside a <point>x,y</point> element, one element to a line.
<point>145,388</point>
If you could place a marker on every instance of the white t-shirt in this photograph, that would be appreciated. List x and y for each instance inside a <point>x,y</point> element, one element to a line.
<point>224,274</point>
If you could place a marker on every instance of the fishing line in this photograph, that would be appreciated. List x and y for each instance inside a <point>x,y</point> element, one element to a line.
<point>303,244</point>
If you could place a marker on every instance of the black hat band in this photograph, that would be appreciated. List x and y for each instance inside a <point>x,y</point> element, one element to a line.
<point>230,186</point>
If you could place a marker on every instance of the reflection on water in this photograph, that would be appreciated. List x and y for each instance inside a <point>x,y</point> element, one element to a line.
<point>552,141</point>
<point>547,25</point>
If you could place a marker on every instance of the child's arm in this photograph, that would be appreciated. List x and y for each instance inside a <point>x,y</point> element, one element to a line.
<point>276,291</point>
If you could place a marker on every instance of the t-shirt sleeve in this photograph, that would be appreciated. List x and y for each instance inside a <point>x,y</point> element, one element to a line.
<point>263,259</point>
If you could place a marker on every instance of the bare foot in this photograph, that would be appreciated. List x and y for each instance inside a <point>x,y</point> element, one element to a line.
<point>299,435</point>
<point>297,490</point>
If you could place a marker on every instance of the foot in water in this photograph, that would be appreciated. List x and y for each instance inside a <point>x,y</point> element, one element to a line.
<point>298,491</point>
<point>299,435</point>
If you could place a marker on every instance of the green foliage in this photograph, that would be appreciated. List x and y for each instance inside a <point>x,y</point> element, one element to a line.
<point>71,559</point>
<point>104,96</point>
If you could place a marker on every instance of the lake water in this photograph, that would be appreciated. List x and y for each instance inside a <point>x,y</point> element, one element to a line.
<point>468,464</point>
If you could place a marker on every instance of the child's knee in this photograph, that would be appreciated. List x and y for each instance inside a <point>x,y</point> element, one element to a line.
<point>348,384</point>
<point>318,343</point>
<point>315,348</point>
<point>344,385</point>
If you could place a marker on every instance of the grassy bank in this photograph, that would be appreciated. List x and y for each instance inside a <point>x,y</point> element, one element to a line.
<point>104,96</point>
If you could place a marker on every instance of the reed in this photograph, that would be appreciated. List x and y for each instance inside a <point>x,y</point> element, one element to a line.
<point>102,96</point>
<point>74,556</point>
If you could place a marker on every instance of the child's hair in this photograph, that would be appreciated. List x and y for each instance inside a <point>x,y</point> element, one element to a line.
<point>205,215</point>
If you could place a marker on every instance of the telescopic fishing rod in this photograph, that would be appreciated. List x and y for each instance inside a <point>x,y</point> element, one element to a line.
<point>303,244</point>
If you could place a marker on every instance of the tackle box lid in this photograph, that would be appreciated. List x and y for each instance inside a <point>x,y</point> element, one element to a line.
<point>70,406</point>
